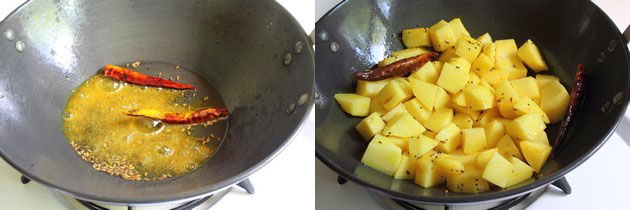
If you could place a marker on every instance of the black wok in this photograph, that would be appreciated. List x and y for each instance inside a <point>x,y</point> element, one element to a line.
<point>240,47</point>
<point>356,34</point>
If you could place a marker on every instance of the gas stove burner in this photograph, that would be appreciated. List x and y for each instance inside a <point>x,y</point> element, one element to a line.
<point>205,202</point>
<point>517,203</point>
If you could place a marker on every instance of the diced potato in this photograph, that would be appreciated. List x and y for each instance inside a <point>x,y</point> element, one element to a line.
<point>420,145</point>
<point>458,27</point>
<point>526,87</point>
<point>425,92</point>
<point>402,143</point>
<point>459,99</point>
<point>410,52</point>
<point>353,104</point>
<point>544,80</point>
<point>404,83</point>
<point>526,105</point>
<point>495,76</point>
<point>406,168</point>
<point>438,66</point>
<point>462,120</point>
<point>447,55</point>
<point>439,119</point>
<point>494,131</point>
<point>442,36</point>
<point>478,97</point>
<point>541,137</point>
<point>461,64</point>
<point>376,105</point>
<point>467,48</point>
<point>535,153</point>
<point>487,85</point>
<point>498,170</point>
<point>383,156</point>
<point>403,125</point>
<point>468,182</point>
<point>490,50</point>
<point>466,159</point>
<point>452,79</point>
<point>418,111</point>
<point>371,88</point>
<point>370,126</point>
<point>485,38</point>
<point>474,114</point>
<point>505,49</point>
<point>388,60</point>
<point>473,140</point>
<point>531,56</point>
<point>441,99</point>
<point>429,134</point>
<point>400,108</point>
<point>426,73</point>
<point>473,79</point>
<point>507,148</point>
<point>482,65</point>
<point>506,97</point>
<point>513,66</point>
<point>392,94</point>
<point>554,100</point>
<point>483,157</point>
<point>416,37</point>
<point>449,138</point>
<point>426,172</point>
<point>447,166</point>
<point>526,126</point>
<point>521,172</point>
<point>486,116</point>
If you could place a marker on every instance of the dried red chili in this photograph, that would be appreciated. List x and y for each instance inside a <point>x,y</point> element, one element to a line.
<point>127,75</point>
<point>575,101</point>
<point>396,69</point>
<point>199,116</point>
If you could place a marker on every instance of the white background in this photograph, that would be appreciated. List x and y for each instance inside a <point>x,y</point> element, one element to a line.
<point>602,182</point>
<point>287,182</point>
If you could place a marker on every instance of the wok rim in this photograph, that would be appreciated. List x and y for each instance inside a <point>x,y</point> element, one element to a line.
<point>207,189</point>
<point>489,196</point>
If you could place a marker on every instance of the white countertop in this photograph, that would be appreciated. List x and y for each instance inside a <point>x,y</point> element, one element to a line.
<point>601,182</point>
<point>272,183</point>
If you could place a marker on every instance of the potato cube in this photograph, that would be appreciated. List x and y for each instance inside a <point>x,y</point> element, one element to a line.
<point>441,99</point>
<point>467,48</point>
<point>418,111</point>
<point>526,105</point>
<point>458,27</point>
<point>526,87</point>
<point>462,120</point>
<point>513,66</point>
<point>426,172</point>
<point>447,166</point>
<point>459,99</point>
<point>554,100</point>
<point>425,92</point>
<point>406,168</point>
<point>506,97</point>
<point>521,172</point>
<point>498,171</point>
<point>486,116</point>
<point>353,104</point>
<point>474,114</point>
<point>438,66</point>
<point>383,156</point>
<point>544,80</point>
<point>416,37</point>
<point>495,76</point>
<point>483,157</point>
<point>376,105</point>
<point>526,126</point>
<point>505,49</point>
<point>370,126</point>
<point>535,153</point>
<point>410,52</point>
<point>467,159</point>
<point>392,94</point>
<point>468,182</point>
<point>490,50</point>
<point>460,64</point>
<point>473,140</point>
<point>449,138</point>
<point>426,73</point>
<point>370,88</point>
<point>429,134</point>
<point>402,143</point>
<point>400,108</point>
<point>420,145</point>
<point>404,83</point>
<point>482,65</point>
<point>439,119</point>
<point>447,55</point>
<point>531,56</point>
<point>541,137</point>
<point>388,60</point>
<point>485,38</point>
<point>473,79</point>
<point>442,36</point>
<point>452,79</point>
<point>494,131</point>
<point>403,125</point>
<point>507,148</point>
<point>483,83</point>
<point>478,97</point>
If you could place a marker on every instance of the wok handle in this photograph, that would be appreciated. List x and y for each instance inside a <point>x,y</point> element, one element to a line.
<point>626,35</point>
<point>311,37</point>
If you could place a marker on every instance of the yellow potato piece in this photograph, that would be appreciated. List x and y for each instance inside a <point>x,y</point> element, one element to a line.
<point>416,37</point>
<point>370,126</point>
<point>383,156</point>
<point>442,36</point>
<point>353,104</point>
<point>531,56</point>
<point>403,125</point>
<point>498,170</point>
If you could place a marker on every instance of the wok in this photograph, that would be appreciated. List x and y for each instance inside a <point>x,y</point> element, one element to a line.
<point>356,34</point>
<point>240,47</point>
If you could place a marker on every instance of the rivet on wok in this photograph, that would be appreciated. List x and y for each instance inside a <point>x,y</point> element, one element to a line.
<point>9,34</point>
<point>323,36</point>
<point>612,45</point>
<point>316,95</point>
<point>298,47</point>
<point>334,47</point>
<point>287,59</point>
<point>291,108</point>
<point>601,57</point>
<point>1,95</point>
<point>618,98</point>
<point>19,46</point>
<point>606,107</point>
<point>303,99</point>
